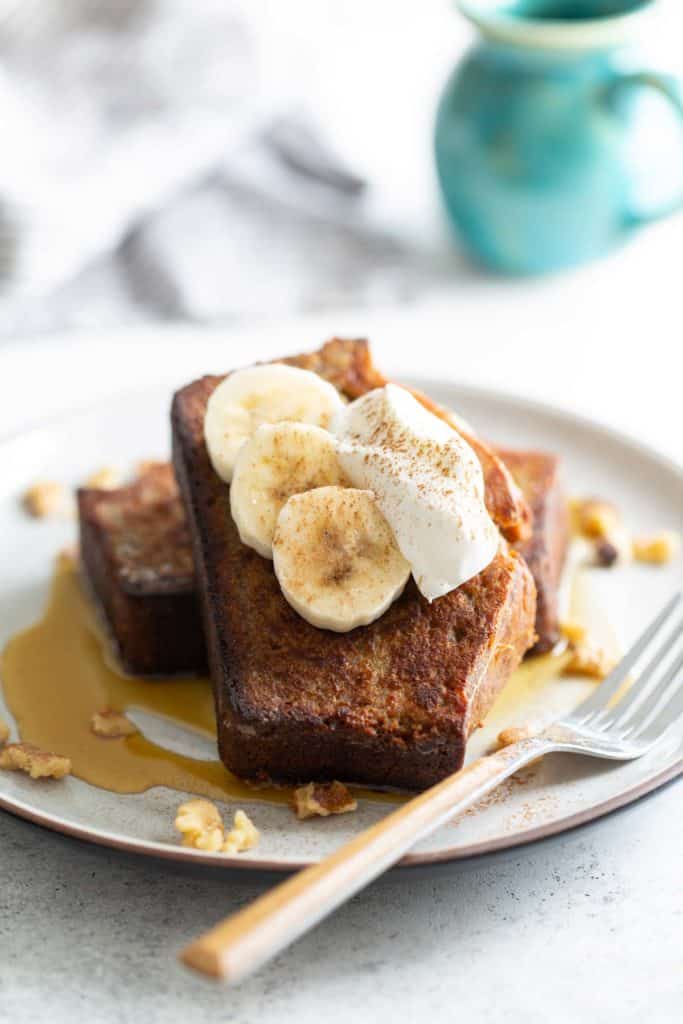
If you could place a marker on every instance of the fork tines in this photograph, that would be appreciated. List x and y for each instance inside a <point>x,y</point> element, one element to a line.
<point>655,698</point>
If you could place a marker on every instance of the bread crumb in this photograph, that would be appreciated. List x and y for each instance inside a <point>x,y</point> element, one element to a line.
<point>4,731</point>
<point>322,799</point>
<point>243,836</point>
<point>106,479</point>
<point>515,734</point>
<point>111,724</point>
<point>39,764</point>
<point>48,499</point>
<point>201,825</point>
<point>589,659</point>
<point>658,548</point>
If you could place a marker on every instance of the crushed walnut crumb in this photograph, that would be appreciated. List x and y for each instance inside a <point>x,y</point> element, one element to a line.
<point>599,522</point>
<point>4,731</point>
<point>322,799</point>
<point>573,632</point>
<point>589,659</point>
<point>514,734</point>
<point>106,479</point>
<point>47,499</point>
<point>242,836</point>
<point>606,554</point>
<point>201,825</point>
<point>595,518</point>
<point>111,724</point>
<point>39,764</point>
<point>658,548</point>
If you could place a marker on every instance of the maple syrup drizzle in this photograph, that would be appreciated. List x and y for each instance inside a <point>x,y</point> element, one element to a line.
<point>59,671</point>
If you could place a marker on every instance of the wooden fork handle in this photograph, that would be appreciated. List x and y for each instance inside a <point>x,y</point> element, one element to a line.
<point>241,943</point>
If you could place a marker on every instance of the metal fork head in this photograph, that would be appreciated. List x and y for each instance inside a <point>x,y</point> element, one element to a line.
<point>627,728</point>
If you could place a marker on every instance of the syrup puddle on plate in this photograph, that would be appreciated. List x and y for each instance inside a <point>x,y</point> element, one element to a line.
<point>57,673</point>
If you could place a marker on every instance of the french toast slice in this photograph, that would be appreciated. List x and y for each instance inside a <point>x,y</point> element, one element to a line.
<point>389,704</point>
<point>136,562</point>
<point>539,477</point>
<point>536,473</point>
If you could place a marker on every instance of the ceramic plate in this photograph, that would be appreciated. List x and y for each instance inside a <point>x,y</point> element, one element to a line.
<point>560,793</point>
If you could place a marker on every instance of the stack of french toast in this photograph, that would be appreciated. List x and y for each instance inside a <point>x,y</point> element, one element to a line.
<point>187,572</point>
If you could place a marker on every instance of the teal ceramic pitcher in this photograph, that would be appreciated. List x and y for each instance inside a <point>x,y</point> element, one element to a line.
<point>553,141</point>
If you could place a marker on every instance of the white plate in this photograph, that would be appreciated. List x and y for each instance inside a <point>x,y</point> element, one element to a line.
<point>563,791</point>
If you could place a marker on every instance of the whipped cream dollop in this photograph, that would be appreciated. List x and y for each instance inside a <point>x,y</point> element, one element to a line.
<point>427,481</point>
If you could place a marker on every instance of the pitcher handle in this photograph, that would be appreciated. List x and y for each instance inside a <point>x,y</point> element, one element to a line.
<point>669,87</point>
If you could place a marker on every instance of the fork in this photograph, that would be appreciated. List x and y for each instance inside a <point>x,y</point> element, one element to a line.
<point>602,726</point>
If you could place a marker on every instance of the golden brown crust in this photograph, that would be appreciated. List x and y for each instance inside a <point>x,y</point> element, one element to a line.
<point>344,362</point>
<point>387,704</point>
<point>538,475</point>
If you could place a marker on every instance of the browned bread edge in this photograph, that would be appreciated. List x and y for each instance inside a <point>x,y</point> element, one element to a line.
<point>539,476</point>
<point>152,622</point>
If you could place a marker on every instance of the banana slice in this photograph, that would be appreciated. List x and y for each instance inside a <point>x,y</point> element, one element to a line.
<point>336,558</point>
<point>280,459</point>
<point>263,394</point>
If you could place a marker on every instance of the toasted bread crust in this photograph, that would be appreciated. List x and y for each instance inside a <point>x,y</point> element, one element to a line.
<point>538,475</point>
<point>388,704</point>
<point>136,561</point>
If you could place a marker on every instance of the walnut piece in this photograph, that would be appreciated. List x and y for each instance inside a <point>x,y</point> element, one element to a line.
<point>39,764</point>
<point>322,799</point>
<point>599,521</point>
<point>111,724</point>
<point>573,632</point>
<point>606,553</point>
<point>201,826</point>
<point>46,499</point>
<point>106,479</point>
<point>200,823</point>
<point>658,548</point>
<point>242,836</point>
<point>589,659</point>
<point>515,734</point>
<point>4,731</point>
<point>595,518</point>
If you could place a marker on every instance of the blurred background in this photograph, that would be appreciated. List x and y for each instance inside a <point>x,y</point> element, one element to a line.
<point>222,161</point>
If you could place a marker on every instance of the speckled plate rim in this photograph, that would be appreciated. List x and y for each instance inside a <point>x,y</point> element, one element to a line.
<point>115,841</point>
<point>162,851</point>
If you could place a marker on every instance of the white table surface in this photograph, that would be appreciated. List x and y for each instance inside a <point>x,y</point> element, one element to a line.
<point>586,926</point>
